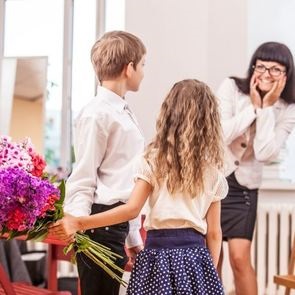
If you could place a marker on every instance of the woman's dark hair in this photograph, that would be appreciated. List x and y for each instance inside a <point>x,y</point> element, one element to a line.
<point>276,52</point>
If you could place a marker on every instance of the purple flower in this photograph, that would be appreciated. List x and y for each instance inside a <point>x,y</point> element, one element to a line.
<point>23,198</point>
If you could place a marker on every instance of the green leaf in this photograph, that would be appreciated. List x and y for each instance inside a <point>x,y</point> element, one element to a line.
<point>53,178</point>
<point>68,248</point>
<point>62,189</point>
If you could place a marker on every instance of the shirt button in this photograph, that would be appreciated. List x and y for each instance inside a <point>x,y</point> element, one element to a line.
<point>243,145</point>
<point>237,163</point>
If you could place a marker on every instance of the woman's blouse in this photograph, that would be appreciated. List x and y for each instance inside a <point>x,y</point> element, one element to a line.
<point>252,137</point>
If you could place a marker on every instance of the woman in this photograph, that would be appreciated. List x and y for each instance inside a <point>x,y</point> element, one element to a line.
<point>258,114</point>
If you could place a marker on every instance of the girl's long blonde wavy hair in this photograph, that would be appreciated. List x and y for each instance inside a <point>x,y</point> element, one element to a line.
<point>188,138</point>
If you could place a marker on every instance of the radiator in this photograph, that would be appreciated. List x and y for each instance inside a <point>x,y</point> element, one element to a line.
<point>271,247</point>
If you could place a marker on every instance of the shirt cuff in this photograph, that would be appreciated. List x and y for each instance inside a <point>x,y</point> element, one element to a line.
<point>133,239</point>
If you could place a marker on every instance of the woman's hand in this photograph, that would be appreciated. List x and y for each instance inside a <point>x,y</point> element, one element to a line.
<point>275,92</point>
<point>65,228</point>
<point>254,94</point>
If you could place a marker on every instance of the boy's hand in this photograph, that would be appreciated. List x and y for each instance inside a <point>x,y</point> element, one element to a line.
<point>132,252</point>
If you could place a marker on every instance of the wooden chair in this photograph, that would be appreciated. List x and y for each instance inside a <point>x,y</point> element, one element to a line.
<point>288,280</point>
<point>55,254</point>
<point>17,288</point>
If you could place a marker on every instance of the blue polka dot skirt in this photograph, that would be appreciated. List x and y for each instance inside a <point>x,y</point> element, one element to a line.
<point>174,262</point>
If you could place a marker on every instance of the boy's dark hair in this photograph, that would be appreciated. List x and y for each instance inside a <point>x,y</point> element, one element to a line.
<point>113,51</point>
<point>276,52</point>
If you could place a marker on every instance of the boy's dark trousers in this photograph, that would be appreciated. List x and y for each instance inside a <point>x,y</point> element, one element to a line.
<point>93,279</point>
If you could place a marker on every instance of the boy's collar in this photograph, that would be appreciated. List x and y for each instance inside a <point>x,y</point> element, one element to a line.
<point>111,98</point>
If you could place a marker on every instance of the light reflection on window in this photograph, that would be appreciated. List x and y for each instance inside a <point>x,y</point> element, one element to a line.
<point>35,28</point>
<point>83,84</point>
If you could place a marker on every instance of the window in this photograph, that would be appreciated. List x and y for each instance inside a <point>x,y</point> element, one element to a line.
<point>35,28</point>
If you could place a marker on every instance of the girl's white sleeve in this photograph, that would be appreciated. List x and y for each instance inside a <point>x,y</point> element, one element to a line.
<point>144,171</point>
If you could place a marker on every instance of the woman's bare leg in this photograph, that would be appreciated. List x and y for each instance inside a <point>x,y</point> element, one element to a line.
<point>240,260</point>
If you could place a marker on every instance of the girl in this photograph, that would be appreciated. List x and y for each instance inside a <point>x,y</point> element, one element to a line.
<point>179,173</point>
<point>258,114</point>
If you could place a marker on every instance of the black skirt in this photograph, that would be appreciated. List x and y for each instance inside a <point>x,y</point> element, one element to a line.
<point>238,211</point>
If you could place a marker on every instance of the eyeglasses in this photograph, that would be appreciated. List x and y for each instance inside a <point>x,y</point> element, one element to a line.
<point>273,71</point>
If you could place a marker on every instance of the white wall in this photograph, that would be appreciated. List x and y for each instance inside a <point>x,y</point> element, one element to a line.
<point>6,93</point>
<point>228,42</point>
<point>198,39</point>
<point>270,20</point>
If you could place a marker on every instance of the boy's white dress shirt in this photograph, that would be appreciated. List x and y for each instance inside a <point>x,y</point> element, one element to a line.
<point>252,137</point>
<point>107,138</point>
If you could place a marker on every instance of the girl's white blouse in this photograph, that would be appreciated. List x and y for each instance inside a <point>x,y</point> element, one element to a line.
<point>166,211</point>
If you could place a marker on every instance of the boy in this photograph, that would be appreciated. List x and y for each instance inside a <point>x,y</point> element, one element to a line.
<point>107,139</point>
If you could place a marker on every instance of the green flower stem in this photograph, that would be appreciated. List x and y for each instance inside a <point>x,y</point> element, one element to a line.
<point>110,262</point>
<point>99,254</point>
<point>103,264</point>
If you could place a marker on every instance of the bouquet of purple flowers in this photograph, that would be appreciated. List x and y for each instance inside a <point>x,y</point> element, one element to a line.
<point>30,201</point>
<point>27,203</point>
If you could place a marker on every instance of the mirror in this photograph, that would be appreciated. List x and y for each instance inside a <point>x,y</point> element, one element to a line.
<point>22,98</point>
